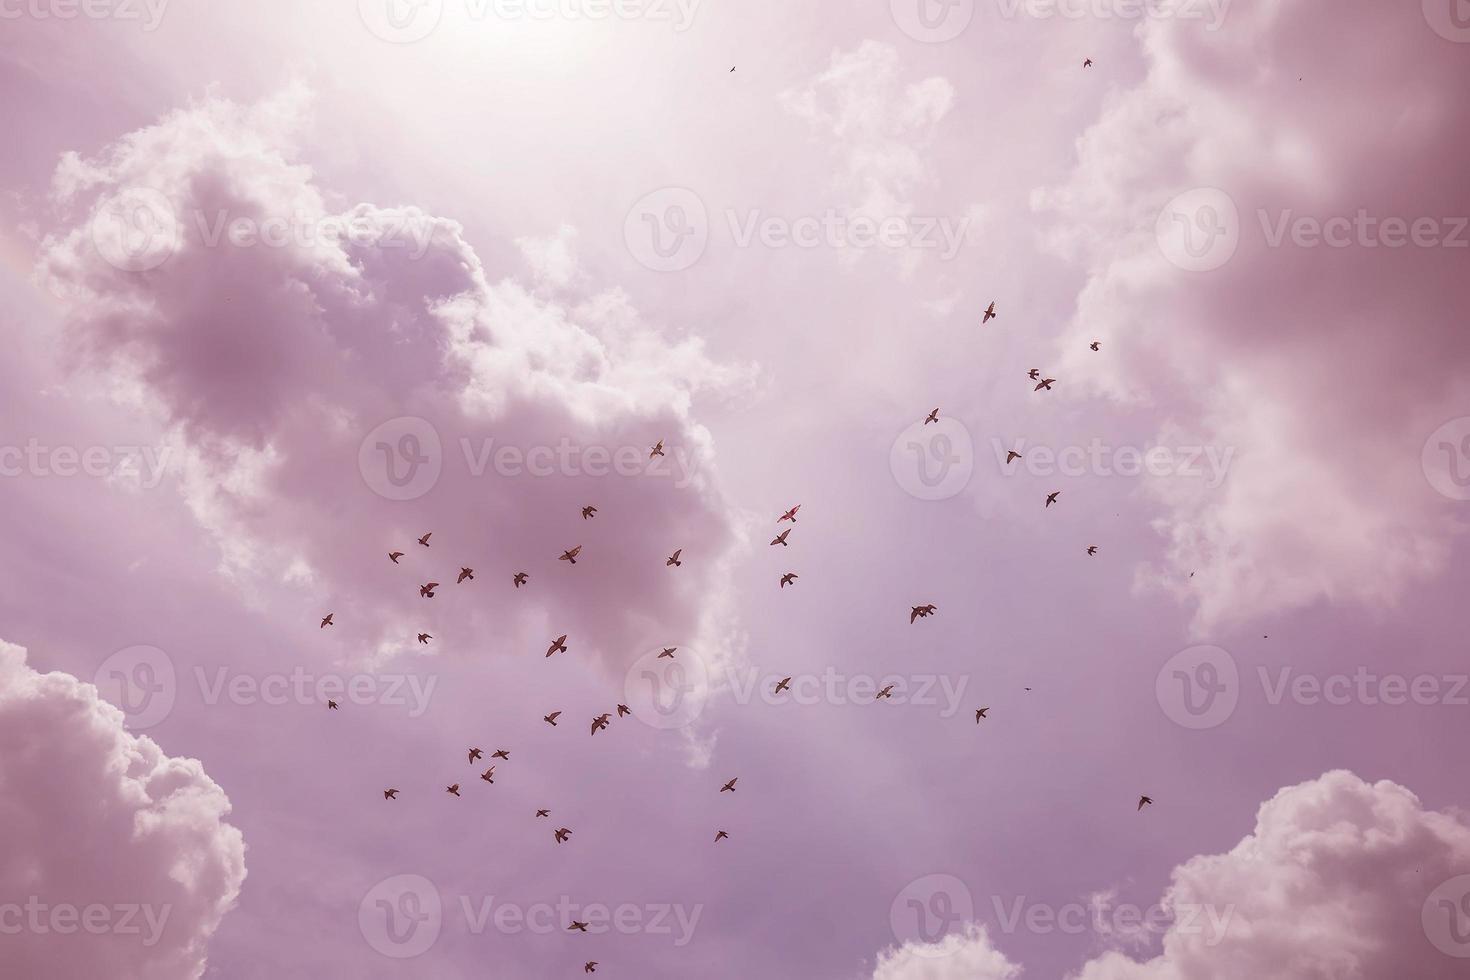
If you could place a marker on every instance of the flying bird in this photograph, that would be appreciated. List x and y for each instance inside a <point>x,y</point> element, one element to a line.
<point>1045,383</point>
<point>674,558</point>
<point>393,556</point>
<point>327,621</point>
<point>666,653</point>
<point>729,787</point>
<point>571,556</point>
<point>980,713</point>
<point>520,579</point>
<point>588,512</point>
<point>658,450</point>
<point>551,718</point>
<point>781,538</point>
<point>488,775</point>
<point>452,788</point>
<point>720,835</point>
<point>1012,455</point>
<point>790,515</point>
<point>543,813</point>
<point>475,754</point>
<point>1095,345</point>
<point>1034,373</point>
<point>623,709</point>
<point>591,965</point>
<point>500,754</point>
<point>782,685</point>
<point>425,539</point>
<point>562,834</point>
<point>558,645</point>
<point>787,579</point>
<point>331,705</point>
<point>390,794</point>
<point>465,573</point>
<point>424,638</point>
<point>1092,549</point>
<point>932,417</point>
<point>921,612</point>
<point>600,722</point>
<point>1087,63</point>
<point>1051,498</point>
<point>1144,801</point>
<point>427,590</point>
<point>990,314</point>
<point>579,926</point>
<point>887,692</point>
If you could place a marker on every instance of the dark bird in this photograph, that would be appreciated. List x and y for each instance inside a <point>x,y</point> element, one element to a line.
<point>500,754</point>
<point>790,515</point>
<point>331,705</point>
<point>674,558</point>
<point>787,579</point>
<point>1092,549</point>
<point>488,775</point>
<point>393,556</point>
<point>551,718</point>
<point>579,926</point>
<point>887,692</point>
<point>657,450</point>
<point>623,709</point>
<point>424,638</point>
<point>1095,345</point>
<point>666,653</point>
<point>1045,383</point>
<point>427,590</point>
<point>425,539</point>
<point>543,813</point>
<point>781,538</point>
<point>783,684</point>
<point>465,573</point>
<point>591,965</point>
<point>562,834</point>
<point>520,579</point>
<point>558,645</point>
<point>1012,455</point>
<point>932,417</point>
<point>588,512</point>
<point>452,788</point>
<point>475,755</point>
<point>571,556</point>
<point>1051,498</point>
<point>326,621</point>
<point>921,612</point>
<point>990,314</point>
<point>390,794</point>
<point>720,835</point>
<point>729,787</point>
<point>980,713</point>
<point>1144,801</point>
<point>1087,63</point>
<point>1034,373</point>
<point>600,722</point>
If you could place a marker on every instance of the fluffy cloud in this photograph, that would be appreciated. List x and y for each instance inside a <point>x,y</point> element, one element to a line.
<point>1243,350</point>
<point>963,955</point>
<point>117,861</point>
<point>306,354</point>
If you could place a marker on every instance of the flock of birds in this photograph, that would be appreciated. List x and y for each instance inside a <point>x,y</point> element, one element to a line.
<point>561,835</point>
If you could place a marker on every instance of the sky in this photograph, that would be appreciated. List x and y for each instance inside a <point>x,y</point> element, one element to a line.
<point>286,287</point>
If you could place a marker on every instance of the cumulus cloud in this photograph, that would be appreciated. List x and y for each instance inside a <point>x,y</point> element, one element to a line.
<point>343,378</point>
<point>1242,349</point>
<point>117,860</point>
<point>962,955</point>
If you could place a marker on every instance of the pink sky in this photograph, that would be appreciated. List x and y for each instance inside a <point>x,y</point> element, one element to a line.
<point>286,286</point>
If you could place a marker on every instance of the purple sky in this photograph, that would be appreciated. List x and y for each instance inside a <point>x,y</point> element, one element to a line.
<point>286,286</point>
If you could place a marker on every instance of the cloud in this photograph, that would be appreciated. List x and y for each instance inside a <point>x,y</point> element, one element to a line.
<point>341,379</point>
<point>1243,350</point>
<point>117,859</point>
<point>964,955</point>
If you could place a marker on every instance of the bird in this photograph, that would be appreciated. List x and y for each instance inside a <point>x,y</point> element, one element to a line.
<point>782,685</point>
<point>588,512</point>
<point>600,722</point>
<point>674,558</point>
<point>543,813</point>
<point>887,692</point>
<point>657,450</point>
<point>1095,345</point>
<point>331,705</point>
<point>921,612</point>
<point>790,515</point>
<point>1045,383</point>
<point>475,754</point>
<point>980,713</point>
<point>1092,549</point>
<point>327,621</point>
<point>1051,498</point>
<point>500,754</point>
<point>781,538</point>
<point>452,788</point>
<point>425,539</point>
<point>1012,454</point>
<point>720,835</point>
<point>990,314</point>
<point>932,417</point>
<point>579,926</point>
<point>558,645</point>
<point>551,718</point>
<point>424,638</point>
<point>591,965</point>
<point>562,834</point>
<point>390,794</point>
<point>519,579</point>
<point>571,556</point>
<point>1034,373</point>
<point>1087,63</point>
<point>393,556</point>
<point>729,787</point>
<point>623,709</point>
<point>788,579</point>
<point>667,653</point>
<point>488,775</point>
<point>465,573</point>
<point>427,590</point>
<point>1144,801</point>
